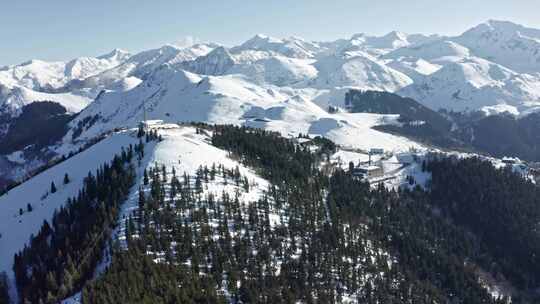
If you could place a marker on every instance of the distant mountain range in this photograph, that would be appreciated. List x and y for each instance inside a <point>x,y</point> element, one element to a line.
<point>285,85</point>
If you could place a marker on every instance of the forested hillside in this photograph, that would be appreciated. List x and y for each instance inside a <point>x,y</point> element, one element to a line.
<point>319,239</point>
<point>470,236</point>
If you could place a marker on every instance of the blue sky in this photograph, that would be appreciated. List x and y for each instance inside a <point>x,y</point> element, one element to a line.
<point>64,29</point>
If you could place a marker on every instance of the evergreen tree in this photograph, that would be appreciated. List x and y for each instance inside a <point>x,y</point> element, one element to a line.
<point>4,288</point>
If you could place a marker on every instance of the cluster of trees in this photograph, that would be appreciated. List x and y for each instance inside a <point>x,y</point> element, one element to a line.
<point>474,220</point>
<point>65,252</point>
<point>417,121</point>
<point>310,237</point>
<point>430,251</point>
<point>293,244</point>
<point>278,249</point>
<point>7,185</point>
<point>500,135</point>
<point>500,208</point>
<point>149,135</point>
<point>133,277</point>
<point>39,124</point>
<point>276,158</point>
<point>4,289</point>
<point>388,103</point>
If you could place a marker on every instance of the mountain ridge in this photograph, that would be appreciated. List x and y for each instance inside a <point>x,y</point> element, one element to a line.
<point>287,85</point>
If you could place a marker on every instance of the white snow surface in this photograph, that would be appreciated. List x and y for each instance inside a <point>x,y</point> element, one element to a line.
<point>179,96</point>
<point>494,63</point>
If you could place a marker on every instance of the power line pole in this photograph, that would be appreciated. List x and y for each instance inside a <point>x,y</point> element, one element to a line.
<point>145,124</point>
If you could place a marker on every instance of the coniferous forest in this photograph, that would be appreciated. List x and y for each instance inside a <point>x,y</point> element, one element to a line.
<point>311,237</point>
<point>65,252</point>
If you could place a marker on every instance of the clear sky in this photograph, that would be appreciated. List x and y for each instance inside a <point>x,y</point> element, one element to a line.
<point>64,29</point>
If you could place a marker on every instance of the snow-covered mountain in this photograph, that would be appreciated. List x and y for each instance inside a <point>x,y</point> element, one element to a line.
<point>38,80</point>
<point>506,43</point>
<point>41,75</point>
<point>281,84</point>
<point>179,96</point>
<point>474,83</point>
<point>390,62</point>
<point>290,47</point>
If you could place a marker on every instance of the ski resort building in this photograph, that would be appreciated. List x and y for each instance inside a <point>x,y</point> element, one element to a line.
<point>368,171</point>
<point>149,123</point>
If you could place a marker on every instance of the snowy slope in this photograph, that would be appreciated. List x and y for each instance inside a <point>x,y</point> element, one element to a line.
<point>34,74</point>
<point>13,99</point>
<point>277,70</point>
<point>360,71</point>
<point>181,148</point>
<point>473,84</point>
<point>217,62</point>
<point>291,47</point>
<point>509,44</point>
<point>84,67</point>
<point>16,229</point>
<point>373,45</point>
<point>179,96</point>
<point>39,80</point>
<point>438,51</point>
<point>413,67</point>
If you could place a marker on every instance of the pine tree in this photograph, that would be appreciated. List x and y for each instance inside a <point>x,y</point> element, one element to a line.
<point>145,177</point>
<point>140,131</point>
<point>53,187</point>
<point>66,179</point>
<point>4,288</point>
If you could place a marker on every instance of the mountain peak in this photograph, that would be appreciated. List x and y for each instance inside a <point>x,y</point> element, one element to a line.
<point>260,40</point>
<point>260,36</point>
<point>118,54</point>
<point>396,35</point>
<point>502,27</point>
<point>494,23</point>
